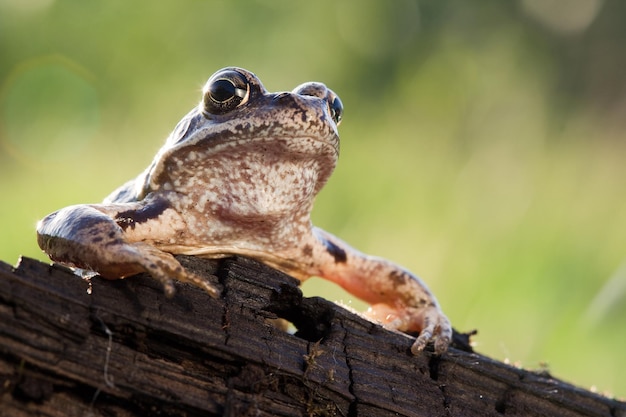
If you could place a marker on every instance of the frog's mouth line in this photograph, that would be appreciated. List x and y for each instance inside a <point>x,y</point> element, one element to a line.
<point>288,145</point>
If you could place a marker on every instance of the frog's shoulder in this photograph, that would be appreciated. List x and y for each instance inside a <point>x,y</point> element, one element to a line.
<point>136,189</point>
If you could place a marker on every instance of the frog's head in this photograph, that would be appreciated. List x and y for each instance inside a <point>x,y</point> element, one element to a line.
<point>238,119</point>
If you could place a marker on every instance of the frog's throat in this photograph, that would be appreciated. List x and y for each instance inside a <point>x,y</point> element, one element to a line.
<point>289,266</point>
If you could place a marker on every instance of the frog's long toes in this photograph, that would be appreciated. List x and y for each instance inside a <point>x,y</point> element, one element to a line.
<point>422,340</point>
<point>437,329</point>
<point>444,334</point>
<point>200,282</point>
<point>210,289</point>
<point>168,284</point>
<point>441,344</point>
<point>169,289</point>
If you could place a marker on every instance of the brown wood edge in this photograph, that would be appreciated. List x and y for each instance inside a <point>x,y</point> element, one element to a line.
<point>127,350</point>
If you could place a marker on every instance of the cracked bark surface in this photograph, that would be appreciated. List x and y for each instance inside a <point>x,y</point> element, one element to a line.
<point>127,350</point>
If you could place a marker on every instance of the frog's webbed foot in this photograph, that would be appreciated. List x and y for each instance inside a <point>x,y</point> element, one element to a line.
<point>430,321</point>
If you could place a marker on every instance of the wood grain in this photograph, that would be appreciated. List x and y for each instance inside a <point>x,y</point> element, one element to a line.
<point>127,350</point>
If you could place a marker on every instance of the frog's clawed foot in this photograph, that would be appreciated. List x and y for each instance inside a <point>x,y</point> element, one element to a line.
<point>437,327</point>
<point>162,266</point>
<point>165,268</point>
<point>432,324</point>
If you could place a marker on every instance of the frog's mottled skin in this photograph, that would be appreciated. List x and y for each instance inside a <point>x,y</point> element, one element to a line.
<point>238,176</point>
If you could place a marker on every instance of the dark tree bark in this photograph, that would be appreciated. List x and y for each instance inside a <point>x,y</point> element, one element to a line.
<point>124,349</point>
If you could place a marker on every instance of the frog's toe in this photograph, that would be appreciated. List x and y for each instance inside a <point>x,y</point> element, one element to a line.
<point>162,272</point>
<point>432,324</point>
<point>198,281</point>
<point>436,327</point>
<point>163,267</point>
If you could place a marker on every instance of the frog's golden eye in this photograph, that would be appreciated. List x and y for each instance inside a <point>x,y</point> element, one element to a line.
<point>225,91</point>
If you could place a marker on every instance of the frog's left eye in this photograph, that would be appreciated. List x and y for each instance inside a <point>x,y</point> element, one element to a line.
<point>336,107</point>
<point>225,91</point>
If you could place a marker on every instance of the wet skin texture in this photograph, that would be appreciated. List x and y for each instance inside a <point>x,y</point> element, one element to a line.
<point>238,175</point>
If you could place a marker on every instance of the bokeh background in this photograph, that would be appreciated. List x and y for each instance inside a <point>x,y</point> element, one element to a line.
<point>483,142</point>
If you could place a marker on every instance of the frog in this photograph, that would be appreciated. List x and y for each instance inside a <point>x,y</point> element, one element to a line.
<point>238,176</point>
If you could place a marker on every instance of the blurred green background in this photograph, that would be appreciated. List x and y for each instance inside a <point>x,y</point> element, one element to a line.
<point>483,142</point>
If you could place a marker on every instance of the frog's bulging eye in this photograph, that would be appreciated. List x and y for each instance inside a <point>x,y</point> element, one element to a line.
<point>225,91</point>
<point>336,107</point>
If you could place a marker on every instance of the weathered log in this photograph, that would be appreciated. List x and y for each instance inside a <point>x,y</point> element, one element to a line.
<point>69,347</point>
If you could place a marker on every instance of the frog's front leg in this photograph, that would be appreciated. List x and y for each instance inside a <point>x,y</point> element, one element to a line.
<point>93,237</point>
<point>399,300</point>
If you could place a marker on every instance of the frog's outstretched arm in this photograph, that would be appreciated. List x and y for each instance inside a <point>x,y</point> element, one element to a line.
<point>399,300</point>
<point>90,237</point>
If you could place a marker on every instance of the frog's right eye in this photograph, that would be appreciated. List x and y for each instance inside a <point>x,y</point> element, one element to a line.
<point>224,91</point>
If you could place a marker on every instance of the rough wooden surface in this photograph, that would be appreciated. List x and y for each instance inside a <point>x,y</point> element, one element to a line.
<point>126,350</point>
